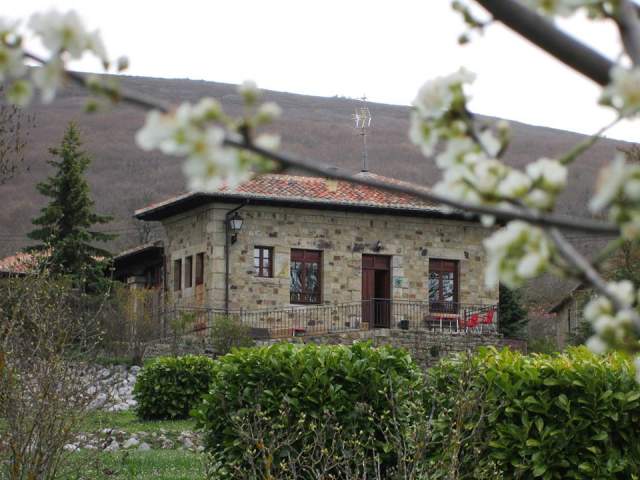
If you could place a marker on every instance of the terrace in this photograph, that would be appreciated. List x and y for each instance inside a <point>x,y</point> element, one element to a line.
<point>291,321</point>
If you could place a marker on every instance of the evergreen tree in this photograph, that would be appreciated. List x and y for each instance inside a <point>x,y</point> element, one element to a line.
<point>512,316</point>
<point>65,225</point>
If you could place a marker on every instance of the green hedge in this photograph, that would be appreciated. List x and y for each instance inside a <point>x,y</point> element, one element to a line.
<point>282,398</point>
<point>169,387</point>
<point>574,415</point>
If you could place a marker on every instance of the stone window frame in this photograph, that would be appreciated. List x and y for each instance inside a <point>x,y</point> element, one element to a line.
<point>260,270</point>
<point>177,274</point>
<point>444,265</point>
<point>305,256</point>
<point>188,271</point>
<point>199,269</point>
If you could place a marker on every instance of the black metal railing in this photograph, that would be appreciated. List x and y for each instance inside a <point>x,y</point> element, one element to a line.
<point>300,320</point>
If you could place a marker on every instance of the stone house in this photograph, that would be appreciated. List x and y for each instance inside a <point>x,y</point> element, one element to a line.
<point>282,241</point>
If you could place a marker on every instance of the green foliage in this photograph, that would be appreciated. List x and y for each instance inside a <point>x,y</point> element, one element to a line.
<point>542,345</point>
<point>262,396</point>
<point>169,387</point>
<point>228,333</point>
<point>65,225</point>
<point>572,415</point>
<point>512,315</point>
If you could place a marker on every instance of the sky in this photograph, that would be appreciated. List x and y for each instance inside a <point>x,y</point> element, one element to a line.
<point>384,50</point>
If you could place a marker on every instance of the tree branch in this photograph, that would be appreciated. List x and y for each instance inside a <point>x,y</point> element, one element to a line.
<point>116,94</point>
<point>551,39</point>
<point>629,27</point>
<point>326,170</point>
<point>313,166</point>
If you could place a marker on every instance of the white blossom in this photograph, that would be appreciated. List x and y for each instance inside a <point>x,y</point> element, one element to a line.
<point>540,199</point>
<point>48,79</point>
<point>195,131</point>
<point>422,135</point>
<point>20,93</point>
<point>455,151</point>
<point>623,93</point>
<point>60,32</point>
<point>436,96</point>
<point>267,112</point>
<point>610,183</point>
<point>514,185</point>
<point>516,253</point>
<point>11,62</point>
<point>596,345</point>
<point>548,173</point>
<point>490,144</point>
<point>249,92</point>
<point>267,141</point>
<point>8,28</point>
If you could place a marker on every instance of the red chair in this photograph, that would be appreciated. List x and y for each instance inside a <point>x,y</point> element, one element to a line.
<point>488,319</point>
<point>473,321</point>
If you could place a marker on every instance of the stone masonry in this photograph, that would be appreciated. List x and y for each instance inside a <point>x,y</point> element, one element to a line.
<point>342,236</point>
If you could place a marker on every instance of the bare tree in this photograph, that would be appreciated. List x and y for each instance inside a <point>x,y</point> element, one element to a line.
<point>15,127</point>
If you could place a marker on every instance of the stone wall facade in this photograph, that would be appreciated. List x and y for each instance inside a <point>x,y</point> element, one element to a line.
<point>342,237</point>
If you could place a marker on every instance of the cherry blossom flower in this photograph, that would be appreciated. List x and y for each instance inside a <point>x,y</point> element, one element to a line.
<point>623,93</point>
<point>516,253</point>
<point>11,62</point>
<point>550,174</point>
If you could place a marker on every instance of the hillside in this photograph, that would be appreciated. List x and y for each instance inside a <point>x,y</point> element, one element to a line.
<point>123,178</point>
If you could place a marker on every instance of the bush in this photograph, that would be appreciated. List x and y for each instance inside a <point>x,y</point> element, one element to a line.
<point>572,415</point>
<point>169,387</point>
<point>228,333</point>
<point>287,407</point>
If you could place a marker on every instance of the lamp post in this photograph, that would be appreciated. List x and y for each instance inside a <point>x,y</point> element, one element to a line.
<point>232,226</point>
<point>235,225</point>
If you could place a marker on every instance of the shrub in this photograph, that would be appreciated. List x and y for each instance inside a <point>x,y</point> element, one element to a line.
<point>287,407</point>
<point>571,415</point>
<point>228,333</point>
<point>169,387</point>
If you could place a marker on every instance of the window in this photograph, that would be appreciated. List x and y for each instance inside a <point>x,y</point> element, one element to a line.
<point>306,274</point>
<point>188,272</point>
<point>177,274</point>
<point>443,285</point>
<point>199,269</point>
<point>263,261</point>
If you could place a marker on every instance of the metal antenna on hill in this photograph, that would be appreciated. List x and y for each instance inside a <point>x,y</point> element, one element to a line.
<point>362,119</point>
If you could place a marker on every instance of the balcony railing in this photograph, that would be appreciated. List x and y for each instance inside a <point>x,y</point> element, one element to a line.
<point>302,320</point>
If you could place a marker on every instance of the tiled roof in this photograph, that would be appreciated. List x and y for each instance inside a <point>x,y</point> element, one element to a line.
<point>19,264</point>
<point>316,190</point>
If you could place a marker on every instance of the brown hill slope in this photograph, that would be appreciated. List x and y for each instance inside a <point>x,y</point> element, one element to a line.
<point>122,177</point>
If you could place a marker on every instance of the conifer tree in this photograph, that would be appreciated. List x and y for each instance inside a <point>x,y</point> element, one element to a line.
<point>65,227</point>
<point>512,316</point>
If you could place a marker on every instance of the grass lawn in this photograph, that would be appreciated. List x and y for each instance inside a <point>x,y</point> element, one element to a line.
<point>154,464</point>
<point>128,422</point>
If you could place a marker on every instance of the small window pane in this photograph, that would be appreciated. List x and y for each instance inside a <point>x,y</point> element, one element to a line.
<point>177,274</point>
<point>188,272</point>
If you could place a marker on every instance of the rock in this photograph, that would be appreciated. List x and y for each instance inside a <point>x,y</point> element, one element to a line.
<point>135,369</point>
<point>144,446</point>
<point>166,444</point>
<point>98,402</point>
<point>104,373</point>
<point>132,403</point>
<point>132,442</point>
<point>71,447</point>
<point>200,449</point>
<point>187,443</point>
<point>112,447</point>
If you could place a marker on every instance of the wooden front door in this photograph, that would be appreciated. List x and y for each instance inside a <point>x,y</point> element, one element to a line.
<point>376,290</point>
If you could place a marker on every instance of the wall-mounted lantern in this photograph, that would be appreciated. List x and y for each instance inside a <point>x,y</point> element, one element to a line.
<point>377,246</point>
<point>235,225</point>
